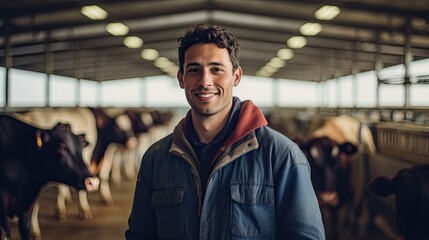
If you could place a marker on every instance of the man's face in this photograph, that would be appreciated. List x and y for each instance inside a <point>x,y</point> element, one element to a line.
<point>208,79</point>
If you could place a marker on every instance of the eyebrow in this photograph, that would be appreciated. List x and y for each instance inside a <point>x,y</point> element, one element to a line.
<point>197,64</point>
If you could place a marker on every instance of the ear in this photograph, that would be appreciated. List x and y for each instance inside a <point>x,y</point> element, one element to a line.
<point>41,137</point>
<point>237,76</point>
<point>82,140</point>
<point>180,78</point>
<point>381,186</point>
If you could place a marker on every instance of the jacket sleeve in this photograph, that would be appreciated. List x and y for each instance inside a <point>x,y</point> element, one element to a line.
<point>298,213</point>
<point>142,221</point>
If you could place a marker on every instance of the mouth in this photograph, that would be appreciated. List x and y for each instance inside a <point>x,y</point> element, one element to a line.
<point>205,96</point>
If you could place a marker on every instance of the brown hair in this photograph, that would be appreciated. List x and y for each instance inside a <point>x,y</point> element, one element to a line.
<point>201,33</point>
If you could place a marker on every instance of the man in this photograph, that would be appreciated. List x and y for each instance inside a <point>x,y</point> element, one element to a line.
<point>223,173</point>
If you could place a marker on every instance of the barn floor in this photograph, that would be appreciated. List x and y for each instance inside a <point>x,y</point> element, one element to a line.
<point>109,222</point>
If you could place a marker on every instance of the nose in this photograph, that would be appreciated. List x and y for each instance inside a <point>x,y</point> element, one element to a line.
<point>206,78</point>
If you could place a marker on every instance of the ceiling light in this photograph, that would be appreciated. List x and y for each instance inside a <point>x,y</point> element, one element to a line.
<point>263,73</point>
<point>133,42</point>
<point>310,29</point>
<point>276,62</point>
<point>162,62</point>
<point>94,12</point>
<point>297,42</point>
<point>285,53</point>
<point>117,29</point>
<point>268,68</point>
<point>327,12</point>
<point>149,54</point>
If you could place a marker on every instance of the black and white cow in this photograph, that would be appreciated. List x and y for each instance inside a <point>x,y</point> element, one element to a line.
<point>99,129</point>
<point>32,157</point>
<point>338,180</point>
<point>410,187</point>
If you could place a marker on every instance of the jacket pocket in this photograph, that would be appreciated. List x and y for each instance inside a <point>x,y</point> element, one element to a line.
<point>252,210</point>
<point>168,204</point>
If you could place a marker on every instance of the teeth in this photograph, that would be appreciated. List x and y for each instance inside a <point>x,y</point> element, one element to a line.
<point>206,95</point>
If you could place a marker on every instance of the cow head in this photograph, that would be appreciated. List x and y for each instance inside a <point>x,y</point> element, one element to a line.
<point>63,152</point>
<point>330,168</point>
<point>160,118</point>
<point>141,122</point>
<point>411,189</point>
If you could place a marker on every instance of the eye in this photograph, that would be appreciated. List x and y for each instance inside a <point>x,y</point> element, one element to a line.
<point>216,69</point>
<point>62,147</point>
<point>192,70</point>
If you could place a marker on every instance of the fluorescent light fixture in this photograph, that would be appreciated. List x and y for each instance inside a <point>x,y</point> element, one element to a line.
<point>285,53</point>
<point>94,12</point>
<point>149,54</point>
<point>296,42</point>
<point>327,12</point>
<point>133,42</point>
<point>117,29</point>
<point>310,29</point>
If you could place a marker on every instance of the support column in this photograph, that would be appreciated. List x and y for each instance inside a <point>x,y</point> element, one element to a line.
<point>49,67</point>
<point>408,57</point>
<point>78,73</point>
<point>355,71</point>
<point>378,65</point>
<point>8,61</point>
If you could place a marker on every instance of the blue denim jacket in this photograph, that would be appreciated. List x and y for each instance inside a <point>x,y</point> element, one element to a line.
<point>259,188</point>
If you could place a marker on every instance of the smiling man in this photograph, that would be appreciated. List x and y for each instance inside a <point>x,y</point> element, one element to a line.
<point>222,173</point>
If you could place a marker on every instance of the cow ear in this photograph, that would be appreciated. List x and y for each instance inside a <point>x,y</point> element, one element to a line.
<point>82,139</point>
<point>348,148</point>
<point>41,137</point>
<point>381,186</point>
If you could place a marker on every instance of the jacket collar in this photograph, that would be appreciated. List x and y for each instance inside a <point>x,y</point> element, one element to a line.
<point>250,118</point>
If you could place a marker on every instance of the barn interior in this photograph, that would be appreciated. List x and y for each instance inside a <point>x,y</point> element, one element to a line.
<point>61,38</point>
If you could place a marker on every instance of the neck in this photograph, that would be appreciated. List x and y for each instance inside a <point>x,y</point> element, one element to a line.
<point>207,127</point>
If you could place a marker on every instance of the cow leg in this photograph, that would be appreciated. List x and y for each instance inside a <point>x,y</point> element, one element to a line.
<point>84,207</point>
<point>118,156</point>
<point>36,233</point>
<point>104,174</point>
<point>63,196</point>
<point>129,163</point>
<point>24,223</point>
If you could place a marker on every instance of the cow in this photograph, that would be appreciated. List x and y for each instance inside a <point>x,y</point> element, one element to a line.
<point>32,157</point>
<point>146,126</point>
<point>338,179</point>
<point>410,187</point>
<point>100,130</point>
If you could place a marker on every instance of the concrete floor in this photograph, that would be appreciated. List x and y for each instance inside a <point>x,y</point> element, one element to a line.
<point>109,222</point>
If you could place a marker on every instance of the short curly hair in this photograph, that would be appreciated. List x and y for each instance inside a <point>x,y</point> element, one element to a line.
<point>202,33</point>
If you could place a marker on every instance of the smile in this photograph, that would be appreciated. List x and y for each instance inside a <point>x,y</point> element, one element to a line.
<point>205,95</point>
